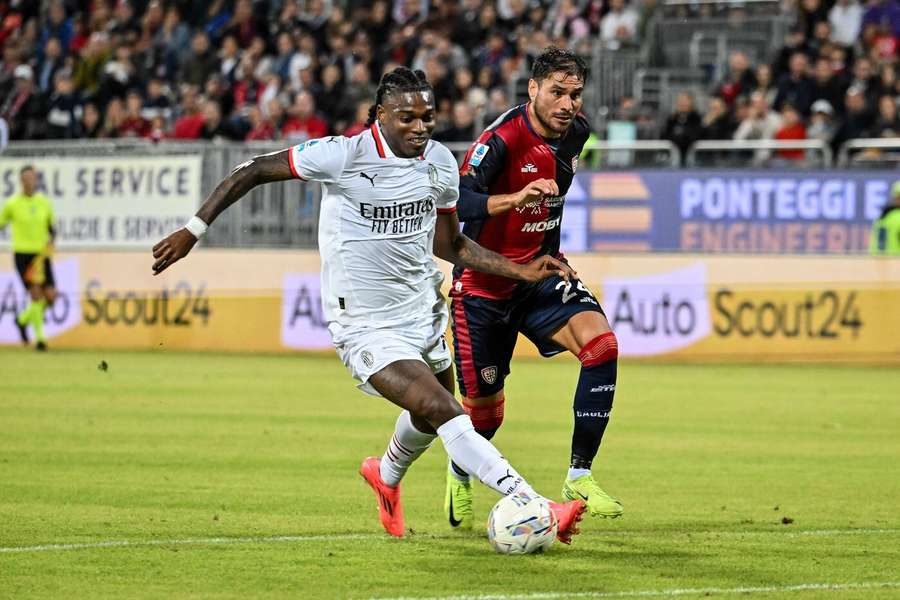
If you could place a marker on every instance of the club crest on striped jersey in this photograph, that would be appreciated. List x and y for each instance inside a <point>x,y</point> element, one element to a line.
<point>489,374</point>
<point>478,154</point>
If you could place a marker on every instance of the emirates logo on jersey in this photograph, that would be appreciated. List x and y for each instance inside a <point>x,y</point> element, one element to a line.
<point>529,168</point>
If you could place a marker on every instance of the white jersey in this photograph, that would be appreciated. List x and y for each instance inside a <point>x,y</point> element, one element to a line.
<point>376,225</point>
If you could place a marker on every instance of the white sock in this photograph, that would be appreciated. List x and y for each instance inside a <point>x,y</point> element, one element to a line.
<point>406,445</point>
<point>479,457</point>
<point>576,473</point>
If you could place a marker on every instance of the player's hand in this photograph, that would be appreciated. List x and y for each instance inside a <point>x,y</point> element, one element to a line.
<point>535,191</point>
<point>173,248</point>
<point>49,249</point>
<point>546,266</point>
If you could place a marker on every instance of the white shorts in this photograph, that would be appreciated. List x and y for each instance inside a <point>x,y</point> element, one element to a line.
<point>367,349</point>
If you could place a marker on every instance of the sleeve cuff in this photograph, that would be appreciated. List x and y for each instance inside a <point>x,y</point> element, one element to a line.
<point>473,206</point>
<point>293,164</point>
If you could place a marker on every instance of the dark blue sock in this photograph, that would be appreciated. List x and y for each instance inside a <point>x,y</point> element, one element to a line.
<point>592,406</point>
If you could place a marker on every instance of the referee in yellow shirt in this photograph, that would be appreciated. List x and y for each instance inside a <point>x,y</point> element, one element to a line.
<point>31,215</point>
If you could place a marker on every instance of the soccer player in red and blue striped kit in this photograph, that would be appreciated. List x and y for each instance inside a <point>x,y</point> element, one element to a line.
<point>512,191</point>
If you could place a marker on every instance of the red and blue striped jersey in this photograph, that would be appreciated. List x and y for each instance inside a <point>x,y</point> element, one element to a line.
<point>506,157</point>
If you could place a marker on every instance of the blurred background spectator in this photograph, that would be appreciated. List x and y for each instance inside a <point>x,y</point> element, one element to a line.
<point>295,69</point>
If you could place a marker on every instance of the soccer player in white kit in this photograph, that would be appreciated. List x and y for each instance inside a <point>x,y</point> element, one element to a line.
<point>389,202</point>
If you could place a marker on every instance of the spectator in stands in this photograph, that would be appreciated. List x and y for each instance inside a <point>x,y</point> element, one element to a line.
<point>64,109</point>
<point>810,12</point>
<point>883,11</point>
<point>114,116</point>
<point>821,123</point>
<point>792,128</point>
<point>567,21</point>
<point>58,25</point>
<point>218,90</point>
<point>134,124</point>
<point>846,22</point>
<point>287,49</point>
<point>158,103</point>
<point>201,61</point>
<point>330,96</point>
<point>825,85</point>
<point>619,26</point>
<point>215,127</point>
<point>765,83</point>
<point>246,89</point>
<point>883,43</point>
<point>171,42</point>
<point>794,42</point>
<point>887,123</point>
<point>261,128</point>
<point>23,109</point>
<point>887,80</point>
<point>761,124</point>
<point>498,103</point>
<point>93,57</point>
<point>359,121</point>
<point>302,123</point>
<point>229,57</point>
<point>740,78</point>
<point>820,40</point>
<point>857,122</point>
<point>462,126</point>
<point>865,80</point>
<point>190,120</point>
<point>718,123</point>
<point>795,87</point>
<point>91,124</point>
<point>51,62</point>
<point>118,76</point>
<point>684,126</point>
<point>242,25</point>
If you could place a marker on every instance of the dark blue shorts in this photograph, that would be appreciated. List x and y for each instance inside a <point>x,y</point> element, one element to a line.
<point>485,331</point>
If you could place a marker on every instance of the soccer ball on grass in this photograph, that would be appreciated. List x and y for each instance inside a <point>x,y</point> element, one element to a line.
<point>521,524</point>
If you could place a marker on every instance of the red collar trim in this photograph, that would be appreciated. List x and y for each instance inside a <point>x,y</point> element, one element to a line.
<point>378,144</point>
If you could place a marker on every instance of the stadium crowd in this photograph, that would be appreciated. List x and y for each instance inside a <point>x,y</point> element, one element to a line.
<point>833,79</point>
<point>297,69</point>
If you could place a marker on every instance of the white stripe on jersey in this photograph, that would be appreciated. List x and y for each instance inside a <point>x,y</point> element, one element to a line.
<point>376,225</point>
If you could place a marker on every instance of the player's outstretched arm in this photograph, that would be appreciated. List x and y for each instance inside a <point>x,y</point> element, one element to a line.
<point>474,205</point>
<point>246,176</point>
<point>451,245</point>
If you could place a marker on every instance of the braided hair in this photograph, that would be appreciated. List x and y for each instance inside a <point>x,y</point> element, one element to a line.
<point>399,81</point>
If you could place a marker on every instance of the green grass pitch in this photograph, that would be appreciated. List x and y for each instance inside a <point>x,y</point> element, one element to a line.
<point>178,474</point>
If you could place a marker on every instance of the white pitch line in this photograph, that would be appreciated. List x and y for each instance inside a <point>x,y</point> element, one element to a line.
<point>214,541</point>
<point>219,541</point>
<point>803,587</point>
<point>779,532</point>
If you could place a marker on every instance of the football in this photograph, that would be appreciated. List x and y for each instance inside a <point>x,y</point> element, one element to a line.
<point>521,524</point>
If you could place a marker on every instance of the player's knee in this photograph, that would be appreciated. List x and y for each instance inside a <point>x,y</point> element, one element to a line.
<point>439,408</point>
<point>486,413</point>
<point>602,349</point>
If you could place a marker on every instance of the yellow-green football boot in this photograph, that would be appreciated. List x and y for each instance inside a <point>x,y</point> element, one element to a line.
<point>599,503</point>
<point>458,503</point>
